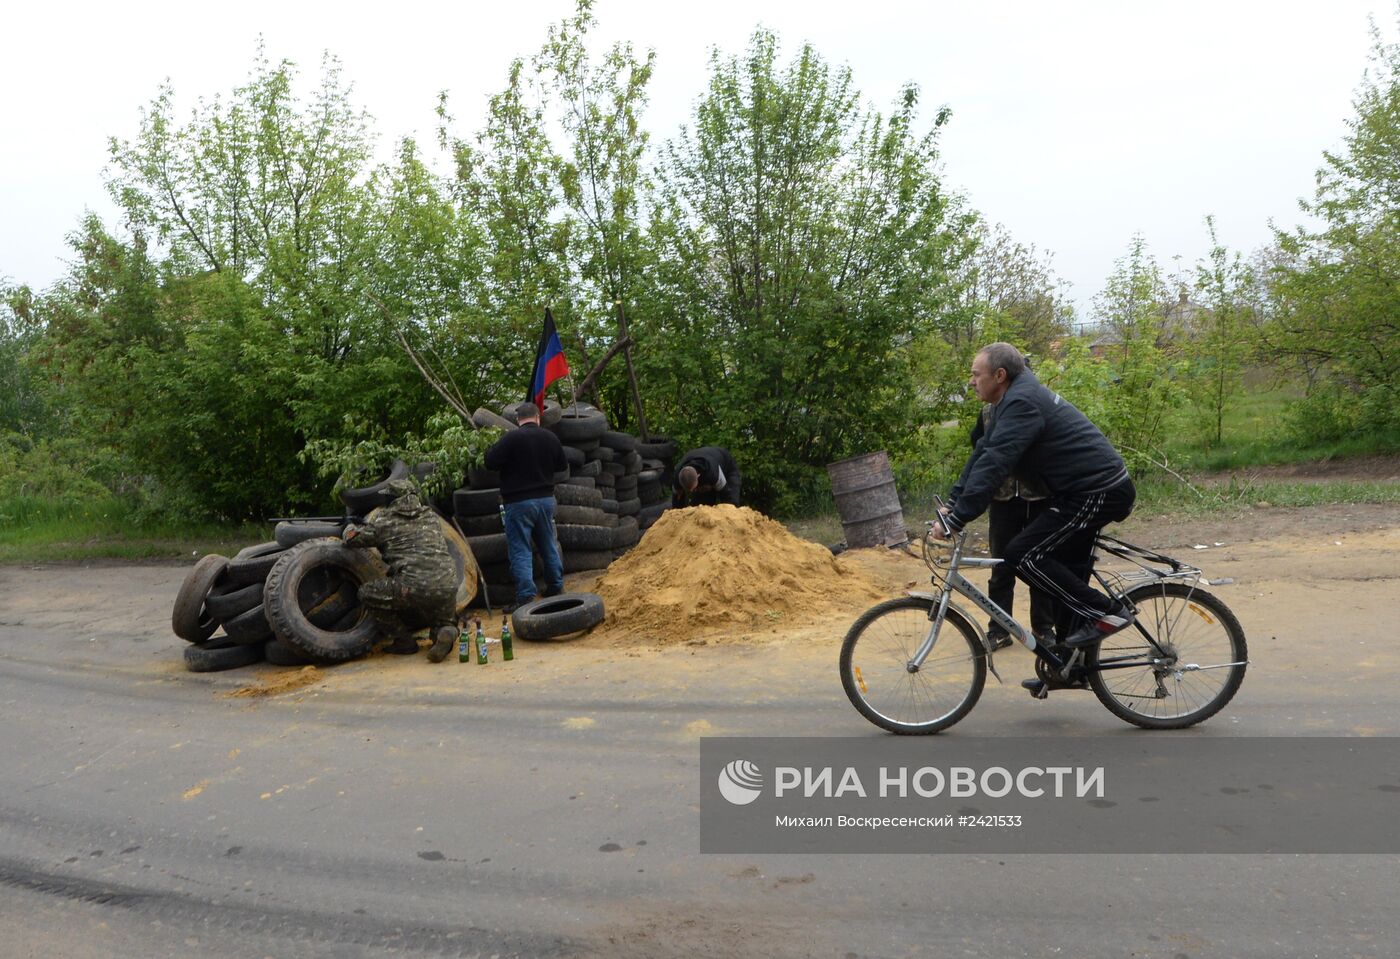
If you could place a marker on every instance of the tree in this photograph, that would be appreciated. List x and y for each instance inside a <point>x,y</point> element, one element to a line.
<point>1220,341</point>
<point>1014,295</point>
<point>1336,294</point>
<point>825,247</point>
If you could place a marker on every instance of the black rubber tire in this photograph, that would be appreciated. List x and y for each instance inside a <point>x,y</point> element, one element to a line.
<point>582,427</point>
<point>658,448</point>
<point>481,478</point>
<point>568,494</point>
<point>574,456</point>
<point>609,520</point>
<point>590,468</point>
<point>958,638</point>
<point>626,533</point>
<point>626,488</point>
<point>485,419</point>
<point>359,501</point>
<point>586,482</point>
<point>629,507</point>
<point>189,619</point>
<point>587,446</point>
<point>253,563</point>
<point>560,476</point>
<point>289,533</point>
<point>226,601</point>
<point>476,502</point>
<point>610,505</point>
<point>574,538</point>
<point>614,469</point>
<point>606,483</point>
<point>481,525</point>
<point>583,560</point>
<point>326,612</point>
<point>488,549</point>
<point>281,600</point>
<point>622,442</point>
<point>603,454</point>
<point>579,515</point>
<point>633,462</point>
<point>650,474</point>
<point>651,493</point>
<point>219,654</point>
<point>250,626</point>
<point>279,653</point>
<point>550,415</point>
<point>557,616</point>
<point>1162,611</point>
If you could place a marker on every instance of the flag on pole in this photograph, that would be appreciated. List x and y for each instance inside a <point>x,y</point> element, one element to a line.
<point>550,363</point>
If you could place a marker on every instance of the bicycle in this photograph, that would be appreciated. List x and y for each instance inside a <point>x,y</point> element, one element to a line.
<point>1180,663</point>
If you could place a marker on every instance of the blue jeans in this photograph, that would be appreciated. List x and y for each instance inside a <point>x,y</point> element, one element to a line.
<point>532,521</point>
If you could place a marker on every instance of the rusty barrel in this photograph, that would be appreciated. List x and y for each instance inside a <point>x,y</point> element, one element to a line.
<point>867,501</point>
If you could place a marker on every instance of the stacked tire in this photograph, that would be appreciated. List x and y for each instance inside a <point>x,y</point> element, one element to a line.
<point>616,487</point>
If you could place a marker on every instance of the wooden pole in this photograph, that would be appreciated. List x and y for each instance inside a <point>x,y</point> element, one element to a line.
<point>631,373</point>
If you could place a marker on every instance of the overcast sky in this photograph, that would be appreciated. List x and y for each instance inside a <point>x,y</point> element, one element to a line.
<point>1074,124</point>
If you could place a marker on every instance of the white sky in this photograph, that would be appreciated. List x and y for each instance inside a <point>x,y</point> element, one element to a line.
<point>1074,124</point>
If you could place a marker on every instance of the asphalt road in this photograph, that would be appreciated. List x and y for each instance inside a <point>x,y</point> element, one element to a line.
<point>549,807</point>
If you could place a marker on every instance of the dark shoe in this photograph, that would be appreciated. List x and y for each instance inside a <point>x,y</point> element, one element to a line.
<point>998,640</point>
<point>1106,625</point>
<point>1036,687</point>
<point>403,646</point>
<point>517,604</point>
<point>552,591</point>
<point>443,640</point>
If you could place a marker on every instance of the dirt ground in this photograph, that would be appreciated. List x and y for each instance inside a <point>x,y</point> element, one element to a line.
<point>1321,575</point>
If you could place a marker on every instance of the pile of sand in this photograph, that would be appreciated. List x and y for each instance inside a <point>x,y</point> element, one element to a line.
<point>725,572</point>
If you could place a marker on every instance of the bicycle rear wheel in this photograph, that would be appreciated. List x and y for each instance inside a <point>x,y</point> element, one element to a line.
<point>876,675</point>
<point>1207,657</point>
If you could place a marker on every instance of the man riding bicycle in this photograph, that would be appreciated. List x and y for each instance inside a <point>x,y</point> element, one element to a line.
<point>1038,434</point>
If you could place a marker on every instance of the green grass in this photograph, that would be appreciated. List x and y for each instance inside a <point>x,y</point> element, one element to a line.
<point>33,530</point>
<point>1253,434</point>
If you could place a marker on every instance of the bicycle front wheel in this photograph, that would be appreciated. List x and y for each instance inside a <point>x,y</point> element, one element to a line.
<point>878,678</point>
<point>1204,667</point>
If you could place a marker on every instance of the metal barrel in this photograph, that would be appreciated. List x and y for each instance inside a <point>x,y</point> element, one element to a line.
<point>867,501</point>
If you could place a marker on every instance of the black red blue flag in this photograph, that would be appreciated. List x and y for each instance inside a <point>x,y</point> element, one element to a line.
<point>550,363</point>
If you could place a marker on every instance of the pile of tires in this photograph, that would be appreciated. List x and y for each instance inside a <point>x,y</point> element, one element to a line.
<point>295,599</point>
<point>616,486</point>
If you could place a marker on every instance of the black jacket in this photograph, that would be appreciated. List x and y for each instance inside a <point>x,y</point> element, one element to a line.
<point>709,461</point>
<point>527,459</point>
<point>1040,435</point>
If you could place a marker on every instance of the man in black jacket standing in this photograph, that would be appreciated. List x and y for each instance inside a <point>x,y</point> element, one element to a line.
<point>706,477</point>
<point>527,459</point>
<point>1037,433</point>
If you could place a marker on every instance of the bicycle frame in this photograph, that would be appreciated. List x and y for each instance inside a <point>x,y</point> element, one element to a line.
<point>954,582</point>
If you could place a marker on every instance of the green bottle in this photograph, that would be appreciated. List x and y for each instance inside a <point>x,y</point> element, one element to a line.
<point>480,644</point>
<point>506,652</point>
<point>464,646</point>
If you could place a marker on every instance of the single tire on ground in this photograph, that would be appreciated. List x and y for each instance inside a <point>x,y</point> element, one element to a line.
<point>557,616</point>
<point>219,654</point>
<point>282,599</point>
<point>189,619</point>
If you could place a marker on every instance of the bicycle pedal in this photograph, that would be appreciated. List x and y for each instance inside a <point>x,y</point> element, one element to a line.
<point>1037,688</point>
